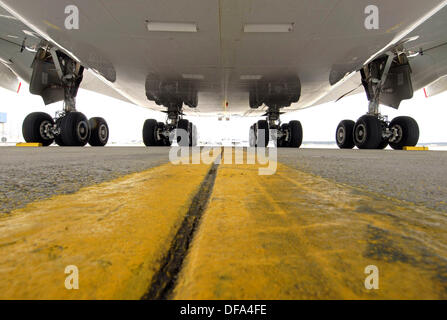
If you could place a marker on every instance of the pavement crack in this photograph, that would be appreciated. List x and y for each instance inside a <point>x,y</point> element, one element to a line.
<point>164,281</point>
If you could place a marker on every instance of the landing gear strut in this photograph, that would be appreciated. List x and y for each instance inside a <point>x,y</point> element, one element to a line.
<point>386,80</point>
<point>63,77</point>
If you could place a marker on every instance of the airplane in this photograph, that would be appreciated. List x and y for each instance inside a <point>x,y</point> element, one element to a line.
<point>224,57</point>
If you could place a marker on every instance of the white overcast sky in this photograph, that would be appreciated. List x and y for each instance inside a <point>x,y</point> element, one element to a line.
<point>319,123</point>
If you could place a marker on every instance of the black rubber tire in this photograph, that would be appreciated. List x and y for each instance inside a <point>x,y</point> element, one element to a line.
<point>74,129</point>
<point>283,143</point>
<point>344,135</point>
<point>99,132</point>
<point>296,134</point>
<point>410,132</point>
<point>31,128</point>
<point>252,137</point>
<point>191,132</point>
<point>383,144</point>
<point>262,141</point>
<point>149,133</point>
<point>368,132</point>
<point>183,141</point>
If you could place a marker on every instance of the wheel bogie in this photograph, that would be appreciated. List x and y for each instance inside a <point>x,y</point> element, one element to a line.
<point>371,132</point>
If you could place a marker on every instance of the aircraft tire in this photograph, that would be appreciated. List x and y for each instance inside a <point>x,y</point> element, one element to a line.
<point>32,128</point>
<point>182,127</point>
<point>149,133</point>
<point>296,134</point>
<point>99,132</point>
<point>74,129</point>
<point>344,134</point>
<point>408,130</point>
<point>262,140</point>
<point>368,132</point>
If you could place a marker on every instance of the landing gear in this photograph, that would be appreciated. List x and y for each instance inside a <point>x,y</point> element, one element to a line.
<point>63,77</point>
<point>370,132</point>
<point>286,135</point>
<point>159,134</point>
<point>275,94</point>
<point>386,80</point>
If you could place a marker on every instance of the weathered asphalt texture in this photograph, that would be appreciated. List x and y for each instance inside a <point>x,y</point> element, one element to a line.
<point>416,176</point>
<point>31,174</point>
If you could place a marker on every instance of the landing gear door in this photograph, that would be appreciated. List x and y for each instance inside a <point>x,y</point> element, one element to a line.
<point>45,82</point>
<point>397,87</point>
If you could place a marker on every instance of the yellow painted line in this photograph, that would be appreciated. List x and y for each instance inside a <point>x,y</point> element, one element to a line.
<point>416,148</point>
<point>297,236</point>
<point>115,233</point>
<point>29,145</point>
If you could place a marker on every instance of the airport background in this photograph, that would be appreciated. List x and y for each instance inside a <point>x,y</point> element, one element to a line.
<point>319,123</point>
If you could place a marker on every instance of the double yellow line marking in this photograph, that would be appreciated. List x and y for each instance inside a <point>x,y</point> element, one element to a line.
<point>287,236</point>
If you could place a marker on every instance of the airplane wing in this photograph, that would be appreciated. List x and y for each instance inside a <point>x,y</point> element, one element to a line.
<point>18,45</point>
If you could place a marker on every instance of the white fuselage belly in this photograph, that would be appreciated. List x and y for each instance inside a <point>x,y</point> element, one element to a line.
<point>328,36</point>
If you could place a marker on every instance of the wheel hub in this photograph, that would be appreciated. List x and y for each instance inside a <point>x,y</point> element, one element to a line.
<point>397,134</point>
<point>45,130</point>
<point>341,135</point>
<point>360,133</point>
<point>103,132</point>
<point>82,130</point>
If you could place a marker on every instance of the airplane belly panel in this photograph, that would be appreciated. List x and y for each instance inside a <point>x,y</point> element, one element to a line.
<point>234,44</point>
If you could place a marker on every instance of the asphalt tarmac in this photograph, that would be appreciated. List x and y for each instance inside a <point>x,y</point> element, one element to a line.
<point>138,226</point>
<point>29,174</point>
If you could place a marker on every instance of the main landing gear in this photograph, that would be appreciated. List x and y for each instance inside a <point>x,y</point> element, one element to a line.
<point>62,77</point>
<point>159,134</point>
<point>283,135</point>
<point>275,93</point>
<point>386,80</point>
<point>372,132</point>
